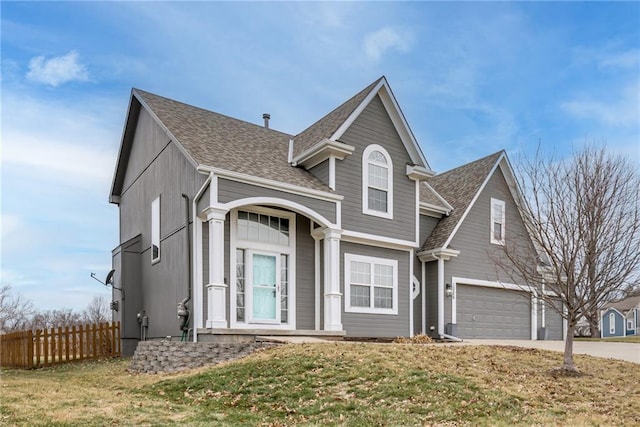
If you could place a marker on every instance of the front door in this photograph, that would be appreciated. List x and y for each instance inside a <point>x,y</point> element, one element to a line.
<point>264,282</point>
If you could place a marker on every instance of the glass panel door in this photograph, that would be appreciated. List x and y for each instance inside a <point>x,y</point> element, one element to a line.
<point>265,287</point>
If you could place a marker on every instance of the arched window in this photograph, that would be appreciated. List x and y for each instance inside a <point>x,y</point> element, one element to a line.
<point>377,182</point>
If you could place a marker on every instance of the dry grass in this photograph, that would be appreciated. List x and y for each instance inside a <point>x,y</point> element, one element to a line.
<point>630,339</point>
<point>335,384</point>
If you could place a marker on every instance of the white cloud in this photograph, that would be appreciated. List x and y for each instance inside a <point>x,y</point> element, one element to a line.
<point>628,59</point>
<point>57,70</point>
<point>621,110</point>
<point>379,42</point>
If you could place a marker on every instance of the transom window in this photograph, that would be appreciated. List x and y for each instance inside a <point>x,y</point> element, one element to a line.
<point>497,222</point>
<point>377,182</point>
<point>371,285</point>
<point>257,227</point>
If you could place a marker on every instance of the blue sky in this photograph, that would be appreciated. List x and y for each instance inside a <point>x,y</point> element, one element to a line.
<point>471,78</point>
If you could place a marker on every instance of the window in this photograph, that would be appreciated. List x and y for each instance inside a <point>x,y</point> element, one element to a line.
<point>497,222</point>
<point>371,285</point>
<point>612,323</point>
<point>629,325</point>
<point>377,182</point>
<point>155,230</point>
<point>257,227</point>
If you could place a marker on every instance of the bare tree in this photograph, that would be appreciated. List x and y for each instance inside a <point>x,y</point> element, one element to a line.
<point>55,318</point>
<point>583,218</point>
<point>15,310</point>
<point>97,311</point>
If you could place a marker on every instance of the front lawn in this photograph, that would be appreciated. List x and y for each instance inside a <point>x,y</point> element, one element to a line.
<point>334,384</point>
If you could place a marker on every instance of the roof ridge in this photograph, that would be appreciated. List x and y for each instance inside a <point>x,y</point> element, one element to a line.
<point>144,92</point>
<point>457,168</point>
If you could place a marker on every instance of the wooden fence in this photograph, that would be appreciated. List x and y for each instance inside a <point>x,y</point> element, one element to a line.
<point>45,347</point>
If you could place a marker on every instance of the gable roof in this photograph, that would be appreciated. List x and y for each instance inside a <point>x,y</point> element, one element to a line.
<point>625,304</point>
<point>211,139</point>
<point>329,124</point>
<point>431,199</point>
<point>459,187</point>
<point>332,126</point>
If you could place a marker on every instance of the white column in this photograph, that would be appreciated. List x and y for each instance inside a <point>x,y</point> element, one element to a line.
<point>534,315</point>
<point>216,288</point>
<point>332,295</point>
<point>440,295</point>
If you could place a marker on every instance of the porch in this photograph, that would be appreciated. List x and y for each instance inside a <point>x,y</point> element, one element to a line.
<point>251,335</point>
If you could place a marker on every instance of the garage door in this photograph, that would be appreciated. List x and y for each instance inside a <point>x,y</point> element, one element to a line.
<point>492,313</point>
<point>553,322</point>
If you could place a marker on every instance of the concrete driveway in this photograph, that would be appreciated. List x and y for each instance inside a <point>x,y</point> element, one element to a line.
<point>608,350</point>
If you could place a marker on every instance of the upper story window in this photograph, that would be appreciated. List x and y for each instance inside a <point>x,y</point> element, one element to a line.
<point>155,230</point>
<point>497,222</point>
<point>377,182</point>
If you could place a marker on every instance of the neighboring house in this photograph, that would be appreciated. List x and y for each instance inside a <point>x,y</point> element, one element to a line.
<point>341,230</point>
<point>621,318</point>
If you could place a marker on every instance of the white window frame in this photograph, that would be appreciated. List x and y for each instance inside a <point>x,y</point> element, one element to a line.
<point>155,229</point>
<point>372,261</point>
<point>365,182</point>
<point>249,245</point>
<point>500,203</point>
<point>612,323</point>
<point>629,324</point>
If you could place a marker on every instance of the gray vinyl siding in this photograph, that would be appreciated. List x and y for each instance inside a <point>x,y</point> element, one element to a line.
<point>431,274</point>
<point>151,172</point>
<point>126,280</point>
<point>477,254</point>
<point>427,224</point>
<point>321,171</point>
<point>148,142</point>
<point>305,275</point>
<point>232,190</point>
<point>374,126</point>
<point>378,325</point>
<point>204,200</point>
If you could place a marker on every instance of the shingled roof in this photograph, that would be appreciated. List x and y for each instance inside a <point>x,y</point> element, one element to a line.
<point>329,124</point>
<point>626,304</point>
<point>215,140</point>
<point>458,187</point>
<point>429,196</point>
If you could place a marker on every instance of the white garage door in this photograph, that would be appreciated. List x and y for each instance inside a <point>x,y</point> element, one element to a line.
<point>484,312</point>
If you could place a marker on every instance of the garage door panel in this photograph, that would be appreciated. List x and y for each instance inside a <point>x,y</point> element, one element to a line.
<point>484,312</point>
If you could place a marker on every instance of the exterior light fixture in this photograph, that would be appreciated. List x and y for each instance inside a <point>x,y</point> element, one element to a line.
<point>448,290</point>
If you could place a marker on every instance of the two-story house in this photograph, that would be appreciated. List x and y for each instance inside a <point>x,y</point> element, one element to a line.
<point>341,230</point>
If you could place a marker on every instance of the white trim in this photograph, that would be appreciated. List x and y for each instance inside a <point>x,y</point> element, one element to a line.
<point>283,203</point>
<point>290,152</point>
<point>436,253</point>
<point>365,181</point>
<point>198,282</point>
<point>396,116</point>
<point>321,151</point>
<point>248,246</point>
<point>441,295</point>
<point>270,183</point>
<point>445,204</point>
<point>418,173</point>
<point>534,316</point>
<point>156,229</point>
<point>424,298</point>
<point>411,297</point>
<point>492,284</point>
<point>379,241</point>
<point>372,261</point>
<point>501,205</point>
<point>417,201</point>
<point>473,201</point>
<point>612,327</point>
<point>418,286</point>
<point>332,172</point>
<point>316,279</point>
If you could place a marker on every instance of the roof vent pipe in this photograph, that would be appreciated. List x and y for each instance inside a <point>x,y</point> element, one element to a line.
<point>266,117</point>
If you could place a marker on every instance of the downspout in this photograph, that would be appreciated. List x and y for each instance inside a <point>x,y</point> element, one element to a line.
<point>183,311</point>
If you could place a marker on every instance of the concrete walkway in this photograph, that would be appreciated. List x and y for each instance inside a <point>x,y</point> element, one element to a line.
<point>629,352</point>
